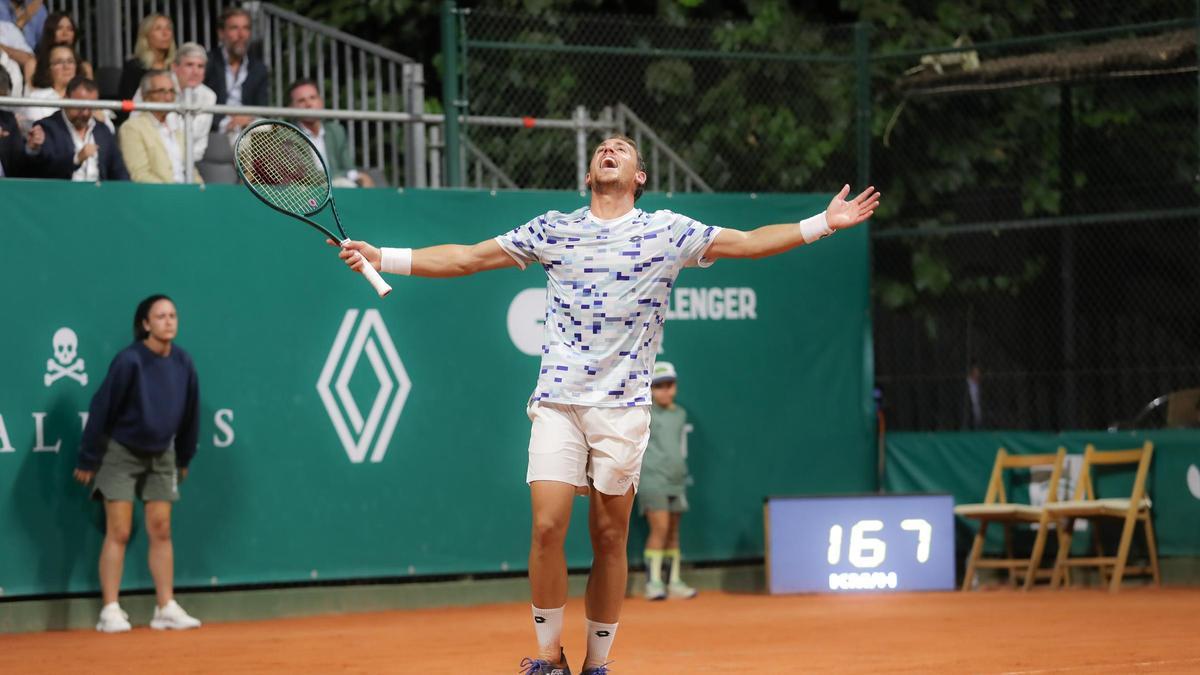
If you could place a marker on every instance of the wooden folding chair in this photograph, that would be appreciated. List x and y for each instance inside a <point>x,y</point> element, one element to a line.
<point>1085,504</point>
<point>997,509</point>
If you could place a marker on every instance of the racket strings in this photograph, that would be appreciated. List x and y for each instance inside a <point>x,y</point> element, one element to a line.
<point>283,168</point>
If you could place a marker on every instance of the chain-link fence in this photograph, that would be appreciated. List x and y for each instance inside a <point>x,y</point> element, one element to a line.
<point>1041,225</point>
<point>745,109</point>
<point>1070,327</point>
<point>1040,216</point>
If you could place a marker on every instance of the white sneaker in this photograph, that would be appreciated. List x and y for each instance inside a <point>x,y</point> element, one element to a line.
<point>680,591</point>
<point>113,619</point>
<point>172,617</point>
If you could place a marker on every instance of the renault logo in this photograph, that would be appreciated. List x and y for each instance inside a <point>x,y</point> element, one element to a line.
<point>360,434</point>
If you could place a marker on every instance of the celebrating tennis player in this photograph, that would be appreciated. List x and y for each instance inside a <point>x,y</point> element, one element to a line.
<point>609,270</point>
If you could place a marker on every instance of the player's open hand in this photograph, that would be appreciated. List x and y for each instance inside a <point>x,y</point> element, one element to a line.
<point>84,476</point>
<point>842,214</point>
<point>354,252</point>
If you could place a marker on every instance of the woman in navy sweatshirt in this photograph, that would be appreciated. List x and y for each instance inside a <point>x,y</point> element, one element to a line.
<point>139,439</point>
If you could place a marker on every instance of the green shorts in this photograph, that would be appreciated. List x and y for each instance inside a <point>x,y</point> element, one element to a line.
<point>660,502</point>
<point>125,474</point>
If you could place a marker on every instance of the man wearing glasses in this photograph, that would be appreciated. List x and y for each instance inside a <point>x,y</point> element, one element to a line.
<point>71,145</point>
<point>153,148</point>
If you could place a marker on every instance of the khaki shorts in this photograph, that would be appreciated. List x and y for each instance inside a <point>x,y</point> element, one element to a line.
<point>125,474</point>
<point>660,502</point>
<point>572,443</point>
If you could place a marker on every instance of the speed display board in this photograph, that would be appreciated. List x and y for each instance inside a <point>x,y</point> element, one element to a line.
<point>860,543</point>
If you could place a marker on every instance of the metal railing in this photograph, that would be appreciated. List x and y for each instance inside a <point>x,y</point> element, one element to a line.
<point>357,75</point>
<point>654,150</point>
<point>354,74</point>
<point>485,171</point>
<point>476,162</point>
<point>740,108</point>
<point>187,110</point>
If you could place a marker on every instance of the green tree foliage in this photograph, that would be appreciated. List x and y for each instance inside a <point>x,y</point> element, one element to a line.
<point>998,154</point>
<point>985,155</point>
<point>406,26</point>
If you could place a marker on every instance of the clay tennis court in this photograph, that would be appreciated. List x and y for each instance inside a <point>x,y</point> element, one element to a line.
<point>1137,630</point>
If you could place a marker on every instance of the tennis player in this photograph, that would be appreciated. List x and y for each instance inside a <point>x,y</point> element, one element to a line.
<point>609,271</point>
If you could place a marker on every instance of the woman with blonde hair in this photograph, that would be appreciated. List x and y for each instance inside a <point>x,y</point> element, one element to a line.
<point>154,50</point>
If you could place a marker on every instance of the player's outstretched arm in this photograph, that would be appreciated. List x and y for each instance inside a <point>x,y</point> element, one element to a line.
<point>449,260</point>
<point>774,239</point>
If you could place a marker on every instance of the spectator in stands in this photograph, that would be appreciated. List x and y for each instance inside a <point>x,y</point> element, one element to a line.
<point>28,16</point>
<point>59,30</point>
<point>329,136</point>
<point>154,50</point>
<point>63,65</point>
<point>973,417</point>
<point>153,151</point>
<point>188,75</point>
<point>190,64</point>
<point>14,49</point>
<point>11,153</point>
<point>72,145</point>
<point>235,76</point>
<point>14,70</point>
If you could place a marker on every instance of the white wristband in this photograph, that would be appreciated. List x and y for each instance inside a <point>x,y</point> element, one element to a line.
<point>396,260</point>
<point>812,229</point>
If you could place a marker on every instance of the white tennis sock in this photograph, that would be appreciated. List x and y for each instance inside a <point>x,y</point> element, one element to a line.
<point>599,640</point>
<point>654,560</point>
<point>547,623</point>
<point>674,555</point>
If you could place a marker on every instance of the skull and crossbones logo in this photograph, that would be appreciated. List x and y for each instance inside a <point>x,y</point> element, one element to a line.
<point>65,363</point>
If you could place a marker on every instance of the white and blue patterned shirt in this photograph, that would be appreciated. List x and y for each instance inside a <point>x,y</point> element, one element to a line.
<point>608,284</point>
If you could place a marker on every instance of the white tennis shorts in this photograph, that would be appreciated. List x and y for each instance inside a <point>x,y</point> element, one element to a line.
<point>571,443</point>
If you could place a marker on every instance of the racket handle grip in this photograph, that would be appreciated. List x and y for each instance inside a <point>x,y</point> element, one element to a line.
<point>368,270</point>
<point>381,287</point>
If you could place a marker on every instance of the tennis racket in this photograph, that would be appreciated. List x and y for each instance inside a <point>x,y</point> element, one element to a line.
<point>281,166</point>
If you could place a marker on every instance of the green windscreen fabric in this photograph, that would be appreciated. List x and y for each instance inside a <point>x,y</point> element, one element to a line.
<point>343,436</point>
<point>961,462</point>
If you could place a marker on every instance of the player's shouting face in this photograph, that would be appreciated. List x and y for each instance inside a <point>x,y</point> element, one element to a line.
<point>616,168</point>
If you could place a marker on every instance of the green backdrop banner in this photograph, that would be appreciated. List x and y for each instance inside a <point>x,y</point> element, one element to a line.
<point>961,462</point>
<point>345,436</point>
